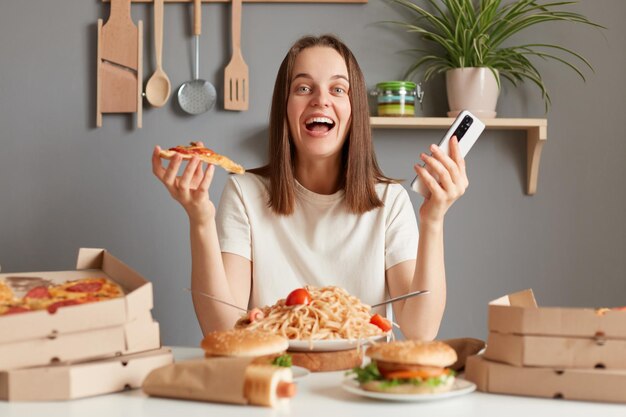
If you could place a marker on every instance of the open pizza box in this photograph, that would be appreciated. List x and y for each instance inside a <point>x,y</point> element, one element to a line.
<point>91,263</point>
<point>519,313</point>
<point>74,333</point>
<point>572,384</point>
<point>77,380</point>
<point>557,351</point>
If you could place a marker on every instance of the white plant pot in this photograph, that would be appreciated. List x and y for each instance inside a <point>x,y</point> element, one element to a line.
<point>473,89</point>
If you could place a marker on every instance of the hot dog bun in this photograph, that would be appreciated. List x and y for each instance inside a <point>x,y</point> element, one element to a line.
<point>266,384</point>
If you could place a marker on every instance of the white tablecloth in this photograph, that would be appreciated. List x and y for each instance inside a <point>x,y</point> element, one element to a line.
<point>319,395</point>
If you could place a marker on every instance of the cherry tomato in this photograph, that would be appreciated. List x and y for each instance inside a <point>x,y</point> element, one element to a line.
<point>255,314</point>
<point>298,296</point>
<point>381,322</point>
<point>622,308</point>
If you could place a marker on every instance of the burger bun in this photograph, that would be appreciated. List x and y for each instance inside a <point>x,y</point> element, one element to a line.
<point>378,386</point>
<point>414,352</point>
<point>243,343</point>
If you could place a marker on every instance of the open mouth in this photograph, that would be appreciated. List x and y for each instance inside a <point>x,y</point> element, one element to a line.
<point>319,124</point>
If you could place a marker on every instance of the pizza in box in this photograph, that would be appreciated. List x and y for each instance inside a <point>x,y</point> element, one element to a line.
<point>52,296</point>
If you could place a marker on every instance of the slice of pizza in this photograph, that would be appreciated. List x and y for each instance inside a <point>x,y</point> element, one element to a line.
<point>93,289</point>
<point>205,154</point>
<point>51,298</point>
<point>6,293</point>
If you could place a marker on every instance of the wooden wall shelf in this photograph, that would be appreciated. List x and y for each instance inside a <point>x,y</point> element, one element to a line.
<point>536,136</point>
<point>250,1</point>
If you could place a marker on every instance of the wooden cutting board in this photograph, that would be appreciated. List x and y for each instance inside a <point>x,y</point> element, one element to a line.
<point>328,361</point>
<point>119,63</point>
<point>120,36</point>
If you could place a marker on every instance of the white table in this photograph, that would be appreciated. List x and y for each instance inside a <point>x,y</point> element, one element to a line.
<point>319,395</point>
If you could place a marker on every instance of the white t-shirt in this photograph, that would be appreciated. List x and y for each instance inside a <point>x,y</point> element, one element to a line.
<point>320,244</point>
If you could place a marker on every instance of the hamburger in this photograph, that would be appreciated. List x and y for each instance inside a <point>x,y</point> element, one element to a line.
<point>269,348</point>
<point>408,367</point>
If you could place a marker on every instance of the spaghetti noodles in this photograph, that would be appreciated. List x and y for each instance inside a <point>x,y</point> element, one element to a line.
<point>332,314</point>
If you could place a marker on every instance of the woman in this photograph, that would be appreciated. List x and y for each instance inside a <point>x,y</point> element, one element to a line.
<point>320,212</point>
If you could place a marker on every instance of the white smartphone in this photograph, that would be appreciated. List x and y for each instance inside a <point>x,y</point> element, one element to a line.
<point>467,128</point>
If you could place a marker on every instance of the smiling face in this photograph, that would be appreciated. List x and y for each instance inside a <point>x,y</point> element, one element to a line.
<point>318,108</point>
<point>328,159</point>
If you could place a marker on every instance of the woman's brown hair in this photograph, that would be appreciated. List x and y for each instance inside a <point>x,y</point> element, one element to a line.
<point>361,172</point>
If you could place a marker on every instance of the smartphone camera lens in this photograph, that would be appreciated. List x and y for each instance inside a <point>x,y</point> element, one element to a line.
<point>463,127</point>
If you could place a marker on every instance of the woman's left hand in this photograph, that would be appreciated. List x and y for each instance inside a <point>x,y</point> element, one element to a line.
<point>452,183</point>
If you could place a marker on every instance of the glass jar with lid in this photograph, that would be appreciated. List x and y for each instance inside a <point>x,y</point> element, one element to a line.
<point>397,98</point>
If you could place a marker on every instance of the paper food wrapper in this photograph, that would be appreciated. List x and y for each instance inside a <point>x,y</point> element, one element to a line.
<point>464,347</point>
<point>213,380</point>
<point>225,380</point>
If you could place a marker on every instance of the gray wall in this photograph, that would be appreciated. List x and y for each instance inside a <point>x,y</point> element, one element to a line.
<point>65,184</point>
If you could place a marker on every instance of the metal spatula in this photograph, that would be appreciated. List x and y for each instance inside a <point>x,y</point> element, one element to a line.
<point>236,72</point>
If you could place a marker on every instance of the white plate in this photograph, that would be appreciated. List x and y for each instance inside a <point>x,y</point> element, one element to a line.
<point>330,345</point>
<point>460,387</point>
<point>299,373</point>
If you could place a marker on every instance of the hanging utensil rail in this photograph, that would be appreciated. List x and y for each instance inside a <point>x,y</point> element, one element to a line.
<point>253,1</point>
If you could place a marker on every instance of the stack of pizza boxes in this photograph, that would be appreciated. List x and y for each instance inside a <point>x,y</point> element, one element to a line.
<point>570,353</point>
<point>80,350</point>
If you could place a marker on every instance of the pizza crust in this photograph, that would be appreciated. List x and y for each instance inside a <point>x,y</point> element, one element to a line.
<point>6,294</point>
<point>215,159</point>
<point>13,307</point>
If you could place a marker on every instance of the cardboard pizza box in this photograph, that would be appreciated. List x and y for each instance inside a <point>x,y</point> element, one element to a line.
<point>64,382</point>
<point>136,336</point>
<point>91,263</point>
<point>571,384</point>
<point>556,351</point>
<point>519,313</point>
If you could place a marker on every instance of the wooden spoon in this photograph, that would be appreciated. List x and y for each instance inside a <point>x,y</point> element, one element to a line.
<point>158,87</point>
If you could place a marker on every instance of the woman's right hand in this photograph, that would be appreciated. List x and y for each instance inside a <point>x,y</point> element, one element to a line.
<point>191,189</point>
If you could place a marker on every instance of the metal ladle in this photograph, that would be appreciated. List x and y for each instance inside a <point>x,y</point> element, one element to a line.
<point>196,96</point>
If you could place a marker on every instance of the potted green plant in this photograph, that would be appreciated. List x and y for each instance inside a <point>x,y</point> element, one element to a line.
<point>465,40</point>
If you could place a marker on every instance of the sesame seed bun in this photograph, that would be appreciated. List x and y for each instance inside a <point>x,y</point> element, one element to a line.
<point>379,386</point>
<point>413,352</point>
<point>244,343</point>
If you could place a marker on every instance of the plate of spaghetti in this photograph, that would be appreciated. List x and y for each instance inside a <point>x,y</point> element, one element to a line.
<point>319,319</point>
